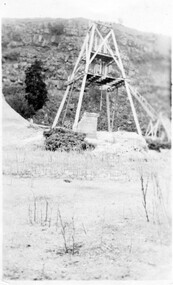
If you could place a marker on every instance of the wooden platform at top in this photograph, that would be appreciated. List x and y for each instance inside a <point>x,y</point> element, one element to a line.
<point>101,80</point>
<point>100,55</point>
<point>106,57</point>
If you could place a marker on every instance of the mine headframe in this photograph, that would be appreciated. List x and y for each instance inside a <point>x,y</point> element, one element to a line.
<point>99,62</point>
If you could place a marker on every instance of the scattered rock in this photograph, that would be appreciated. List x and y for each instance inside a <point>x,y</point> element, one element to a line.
<point>67,181</point>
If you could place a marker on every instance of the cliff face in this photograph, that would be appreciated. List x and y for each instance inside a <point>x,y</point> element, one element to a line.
<point>57,42</point>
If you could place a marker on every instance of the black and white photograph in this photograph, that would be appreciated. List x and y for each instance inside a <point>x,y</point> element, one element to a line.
<point>86,104</point>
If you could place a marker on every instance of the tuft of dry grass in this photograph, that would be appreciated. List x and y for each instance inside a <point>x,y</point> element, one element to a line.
<point>62,165</point>
<point>73,165</point>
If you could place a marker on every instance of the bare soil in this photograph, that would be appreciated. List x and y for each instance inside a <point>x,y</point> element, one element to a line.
<point>81,217</point>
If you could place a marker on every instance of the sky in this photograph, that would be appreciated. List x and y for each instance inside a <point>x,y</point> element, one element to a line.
<point>144,15</point>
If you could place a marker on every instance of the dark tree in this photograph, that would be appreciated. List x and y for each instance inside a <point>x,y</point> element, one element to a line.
<point>36,92</point>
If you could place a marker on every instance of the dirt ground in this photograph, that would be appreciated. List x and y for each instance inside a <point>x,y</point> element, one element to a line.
<point>81,216</point>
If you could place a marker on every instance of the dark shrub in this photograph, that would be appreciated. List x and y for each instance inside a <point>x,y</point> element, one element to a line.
<point>36,92</point>
<point>65,140</point>
<point>56,28</point>
<point>158,144</point>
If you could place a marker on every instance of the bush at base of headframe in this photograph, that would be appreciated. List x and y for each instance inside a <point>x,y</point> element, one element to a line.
<point>66,140</point>
<point>157,144</point>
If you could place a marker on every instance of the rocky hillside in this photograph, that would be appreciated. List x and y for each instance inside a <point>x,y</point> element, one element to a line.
<point>57,42</point>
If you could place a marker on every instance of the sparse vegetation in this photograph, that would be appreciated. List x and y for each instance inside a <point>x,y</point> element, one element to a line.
<point>42,212</point>
<point>144,189</point>
<point>11,55</point>
<point>70,222</point>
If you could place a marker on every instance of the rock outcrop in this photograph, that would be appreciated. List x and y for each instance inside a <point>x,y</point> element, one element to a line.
<point>57,43</point>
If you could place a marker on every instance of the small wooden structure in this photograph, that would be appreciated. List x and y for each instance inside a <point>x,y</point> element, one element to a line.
<point>88,124</point>
<point>99,62</point>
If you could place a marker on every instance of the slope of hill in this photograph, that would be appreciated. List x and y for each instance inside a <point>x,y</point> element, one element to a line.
<point>17,131</point>
<point>57,42</point>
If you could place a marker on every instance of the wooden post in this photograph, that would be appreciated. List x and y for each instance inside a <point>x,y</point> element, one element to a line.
<point>90,46</point>
<point>84,78</point>
<point>113,114</point>
<point>108,111</point>
<point>68,101</point>
<point>147,107</point>
<point>133,109</point>
<point>106,70</point>
<point>60,107</point>
<point>79,103</point>
<point>80,55</point>
<point>127,87</point>
<point>101,98</point>
<point>95,44</point>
